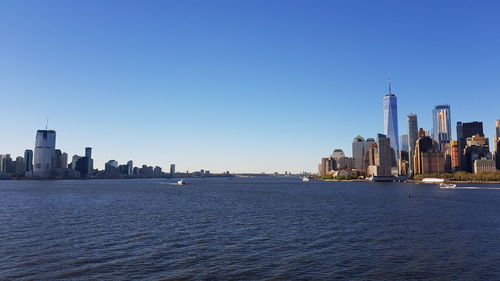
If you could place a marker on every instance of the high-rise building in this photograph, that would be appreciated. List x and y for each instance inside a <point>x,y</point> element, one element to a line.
<point>88,155</point>
<point>385,152</point>
<point>28,160</point>
<point>20,167</point>
<point>5,162</point>
<point>337,154</point>
<point>464,131</point>
<point>172,170</point>
<point>412,139</point>
<point>130,168</point>
<point>441,130</point>
<point>44,152</point>
<point>64,161</point>
<point>403,141</point>
<point>428,158</point>
<point>391,124</point>
<point>477,148</point>
<point>358,153</point>
<point>56,159</point>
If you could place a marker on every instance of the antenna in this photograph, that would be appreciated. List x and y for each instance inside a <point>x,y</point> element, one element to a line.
<point>47,123</point>
<point>390,90</point>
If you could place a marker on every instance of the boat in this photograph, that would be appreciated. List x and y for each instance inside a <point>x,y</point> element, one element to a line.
<point>305,179</point>
<point>181,182</point>
<point>447,185</point>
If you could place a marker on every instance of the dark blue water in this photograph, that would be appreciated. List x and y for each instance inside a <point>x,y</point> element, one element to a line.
<point>251,228</point>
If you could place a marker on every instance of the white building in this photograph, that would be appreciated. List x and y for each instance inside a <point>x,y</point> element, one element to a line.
<point>484,165</point>
<point>44,151</point>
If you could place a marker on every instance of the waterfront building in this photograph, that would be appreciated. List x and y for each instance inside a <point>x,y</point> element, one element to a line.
<point>28,160</point>
<point>327,164</point>
<point>56,160</point>
<point>385,152</point>
<point>369,142</point>
<point>157,172</point>
<point>358,153</point>
<point>477,148</point>
<point>391,124</point>
<point>464,131</point>
<point>172,170</point>
<point>88,156</point>
<point>428,158</point>
<point>344,163</point>
<point>5,163</point>
<point>19,167</point>
<point>455,156</point>
<point>44,152</point>
<point>441,130</point>
<point>74,159</point>
<point>64,161</point>
<point>130,165</point>
<point>484,165</point>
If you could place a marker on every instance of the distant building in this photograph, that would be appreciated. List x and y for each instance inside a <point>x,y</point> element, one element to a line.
<point>391,124</point>
<point>464,131</point>
<point>403,141</point>
<point>428,158</point>
<point>337,154</point>
<point>441,130</point>
<point>358,153</point>
<point>44,152</point>
<point>344,163</point>
<point>484,165</point>
<point>172,170</point>
<point>385,152</point>
<point>20,167</point>
<point>404,163</point>
<point>157,172</point>
<point>64,161</point>
<point>130,165</point>
<point>5,163</point>
<point>477,148</point>
<point>412,139</point>
<point>28,160</point>
<point>455,156</point>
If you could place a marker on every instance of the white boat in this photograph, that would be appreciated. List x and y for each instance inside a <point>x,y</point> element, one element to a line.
<point>447,185</point>
<point>305,179</point>
<point>181,182</point>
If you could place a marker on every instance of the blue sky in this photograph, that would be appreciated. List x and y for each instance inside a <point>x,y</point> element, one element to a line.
<point>238,85</point>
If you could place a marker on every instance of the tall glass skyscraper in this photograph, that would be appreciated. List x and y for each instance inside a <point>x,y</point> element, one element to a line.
<point>441,129</point>
<point>44,152</point>
<point>391,123</point>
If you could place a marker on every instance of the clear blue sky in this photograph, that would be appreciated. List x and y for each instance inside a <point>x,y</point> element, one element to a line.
<point>238,85</point>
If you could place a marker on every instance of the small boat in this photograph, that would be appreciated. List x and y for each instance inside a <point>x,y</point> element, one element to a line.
<point>305,179</point>
<point>181,182</point>
<point>447,185</point>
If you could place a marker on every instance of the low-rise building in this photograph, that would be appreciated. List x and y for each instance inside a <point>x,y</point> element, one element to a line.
<point>484,165</point>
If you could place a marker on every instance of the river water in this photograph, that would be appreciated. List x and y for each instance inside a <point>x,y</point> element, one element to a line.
<point>247,229</point>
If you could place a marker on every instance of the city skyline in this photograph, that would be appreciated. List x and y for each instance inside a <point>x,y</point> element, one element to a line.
<point>203,95</point>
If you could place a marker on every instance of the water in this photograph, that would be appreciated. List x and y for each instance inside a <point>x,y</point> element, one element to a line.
<point>249,228</point>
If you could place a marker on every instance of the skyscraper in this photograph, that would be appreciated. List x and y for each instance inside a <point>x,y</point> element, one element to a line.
<point>464,131</point>
<point>28,160</point>
<point>412,139</point>
<point>403,142</point>
<point>358,152</point>
<point>441,130</point>
<point>384,155</point>
<point>44,151</point>
<point>391,124</point>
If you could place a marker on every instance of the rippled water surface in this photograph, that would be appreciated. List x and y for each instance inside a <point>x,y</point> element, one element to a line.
<point>246,228</point>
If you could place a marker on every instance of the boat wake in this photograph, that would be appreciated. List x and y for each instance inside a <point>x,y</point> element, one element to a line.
<point>472,187</point>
